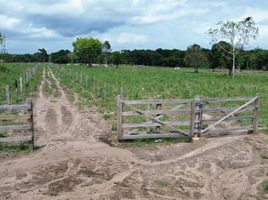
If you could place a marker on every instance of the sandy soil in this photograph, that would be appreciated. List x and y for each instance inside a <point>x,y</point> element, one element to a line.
<point>73,163</point>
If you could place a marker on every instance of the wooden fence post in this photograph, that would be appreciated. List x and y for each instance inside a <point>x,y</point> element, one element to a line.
<point>256,114</point>
<point>122,92</point>
<point>158,107</point>
<point>8,99</point>
<point>105,91</point>
<point>192,118</point>
<point>119,118</point>
<point>86,80</point>
<point>21,85</point>
<point>199,105</point>
<point>31,121</point>
<point>94,86</point>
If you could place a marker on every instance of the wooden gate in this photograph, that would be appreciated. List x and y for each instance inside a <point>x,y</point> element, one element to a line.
<point>17,122</point>
<point>224,120</point>
<point>139,119</point>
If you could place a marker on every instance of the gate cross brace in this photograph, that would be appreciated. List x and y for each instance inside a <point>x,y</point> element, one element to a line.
<point>230,114</point>
<point>149,116</point>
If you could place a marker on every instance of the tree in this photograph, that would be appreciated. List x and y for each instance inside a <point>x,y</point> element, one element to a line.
<point>195,57</point>
<point>219,57</point>
<point>41,55</point>
<point>106,47</point>
<point>237,34</point>
<point>72,57</point>
<point>116,57</point>
<point>60,56</point>
<point>87,49</point>
<point>2,42</point>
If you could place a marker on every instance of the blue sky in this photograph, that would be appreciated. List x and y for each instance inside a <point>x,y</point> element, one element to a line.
<point>127,24</point>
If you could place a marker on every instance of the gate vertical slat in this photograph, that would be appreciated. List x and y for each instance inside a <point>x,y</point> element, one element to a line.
<point>192,118</point>
<point>119,117</point>
<point>256,114</point>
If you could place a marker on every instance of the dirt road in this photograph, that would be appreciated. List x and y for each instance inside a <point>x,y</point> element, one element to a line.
<point>74,164</point>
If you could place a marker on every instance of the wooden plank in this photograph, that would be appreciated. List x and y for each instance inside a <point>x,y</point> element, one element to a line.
<point>119,118</point>
<point>230,114</point>
<point>15,128</point>
<point>156,101</point>
<point>155,124</point>
<point>149,116</point>
<point>15,117</point>
<point>214,100</point>
<point>229,119</point>
<point>182,101</point>
<point>224,109</point>
<point>158,112</point>
<point>183,111</point>
<point>15,107</point>
<point>152,136</point>
<point>16,139</point>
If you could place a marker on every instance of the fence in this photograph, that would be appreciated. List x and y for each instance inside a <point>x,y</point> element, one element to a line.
<point>17,118</point>
<point>15,92</point>
<point>176,117</point>
<point>99,89</point>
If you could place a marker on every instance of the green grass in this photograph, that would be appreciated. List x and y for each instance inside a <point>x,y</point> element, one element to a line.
<point>2,134</point>
<point>161,83</point>
<point>265,186</point>
<point>9,73</point>
<point>152,142</point>
<point>12,148</point>
<point>162,184</point>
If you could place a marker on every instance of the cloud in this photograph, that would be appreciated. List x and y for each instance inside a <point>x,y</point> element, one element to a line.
<point>7,22</point>
<point>124,38</point>
<point>127,24</point>
<point>167,10</point>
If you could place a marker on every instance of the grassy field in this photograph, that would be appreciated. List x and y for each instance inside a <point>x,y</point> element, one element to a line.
<point>161,83</point>
<point>9,74</point>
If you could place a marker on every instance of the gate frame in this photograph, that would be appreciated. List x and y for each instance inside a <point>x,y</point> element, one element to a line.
<point>25,127</point>
<point>196,115</point>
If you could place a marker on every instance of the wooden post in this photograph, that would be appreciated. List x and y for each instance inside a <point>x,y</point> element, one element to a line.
<point>122,92</point>
<point>105,92</point>
<point>199,105</point>
<point>31,121</point>
<point>256,114</point>
<point>94,86</point>
<point>21,87</point>
<point>148,119</point>
<point>8,99</point>
<point>119,118</point>
<point>158,107</point>
<point>192,118</point>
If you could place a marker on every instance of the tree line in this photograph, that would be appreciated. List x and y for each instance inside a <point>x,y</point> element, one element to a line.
<point>212,58</point>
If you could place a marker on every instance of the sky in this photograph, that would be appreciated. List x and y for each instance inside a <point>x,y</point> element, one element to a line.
<point>127,24</point>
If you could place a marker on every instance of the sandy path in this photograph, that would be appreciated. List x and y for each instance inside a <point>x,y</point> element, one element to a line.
<point>75,164</point>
